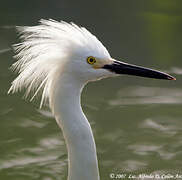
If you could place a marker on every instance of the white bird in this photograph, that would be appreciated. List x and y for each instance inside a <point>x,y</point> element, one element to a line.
<point>58,59</point>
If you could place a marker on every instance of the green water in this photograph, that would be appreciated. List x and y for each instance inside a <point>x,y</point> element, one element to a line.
<point>137,122</point>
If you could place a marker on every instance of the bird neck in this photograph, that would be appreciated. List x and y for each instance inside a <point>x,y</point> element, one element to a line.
<point>65,104</point>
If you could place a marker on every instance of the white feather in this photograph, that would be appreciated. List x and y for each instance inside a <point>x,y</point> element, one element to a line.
<point>43,51</point>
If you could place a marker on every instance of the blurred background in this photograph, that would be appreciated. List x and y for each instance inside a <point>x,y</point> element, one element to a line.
<point>137,122</point>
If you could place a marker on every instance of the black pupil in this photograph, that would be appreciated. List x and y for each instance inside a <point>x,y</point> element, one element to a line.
<point>91,60</point>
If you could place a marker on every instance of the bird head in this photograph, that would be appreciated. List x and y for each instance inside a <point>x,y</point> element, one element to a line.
<point>53,48</point>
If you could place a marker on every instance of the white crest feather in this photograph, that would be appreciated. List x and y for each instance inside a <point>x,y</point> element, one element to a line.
<point>43,49</point>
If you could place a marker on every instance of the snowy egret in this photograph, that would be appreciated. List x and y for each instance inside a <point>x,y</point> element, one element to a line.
<point>58,59</point>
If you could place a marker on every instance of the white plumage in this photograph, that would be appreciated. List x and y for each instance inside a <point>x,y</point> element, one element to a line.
<point>45,49</point>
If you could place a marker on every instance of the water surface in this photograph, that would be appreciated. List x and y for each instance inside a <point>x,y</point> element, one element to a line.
<point>137,122</point>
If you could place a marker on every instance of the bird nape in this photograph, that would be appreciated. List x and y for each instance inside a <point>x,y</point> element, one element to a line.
<point>57,59</point>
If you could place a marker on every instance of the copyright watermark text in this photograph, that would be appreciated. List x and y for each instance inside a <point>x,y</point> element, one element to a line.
<point>144,176</point>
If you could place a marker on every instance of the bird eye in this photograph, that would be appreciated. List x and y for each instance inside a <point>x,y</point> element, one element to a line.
<point>91,60</point>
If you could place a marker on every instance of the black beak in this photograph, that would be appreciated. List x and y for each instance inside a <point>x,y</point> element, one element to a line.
<point>124,68</point>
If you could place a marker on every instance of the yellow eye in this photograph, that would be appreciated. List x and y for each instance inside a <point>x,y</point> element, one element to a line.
<point>91,60</point>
